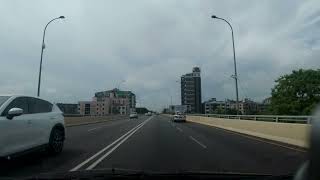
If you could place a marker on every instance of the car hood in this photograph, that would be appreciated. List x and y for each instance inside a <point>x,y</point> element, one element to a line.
<point>129,173</point>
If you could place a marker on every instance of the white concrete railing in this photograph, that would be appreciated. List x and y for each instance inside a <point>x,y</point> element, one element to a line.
<point>289,133</point>
<point>268,118</point>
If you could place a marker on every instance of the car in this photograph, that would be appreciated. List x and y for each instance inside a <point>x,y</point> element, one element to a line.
<point>149,114</point>
<point>29,123</point>
<point>133,115</point>
<point>179,117</point>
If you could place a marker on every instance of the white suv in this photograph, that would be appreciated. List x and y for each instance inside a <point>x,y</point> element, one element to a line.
<point>27,123</point>
<point>179,117</point>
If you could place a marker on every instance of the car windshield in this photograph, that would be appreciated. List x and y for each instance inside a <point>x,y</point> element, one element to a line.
<point>3,99</point>
<point>166,86</point>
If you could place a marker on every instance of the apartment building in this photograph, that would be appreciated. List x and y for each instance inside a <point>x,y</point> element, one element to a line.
<point>109,102</point>
<point>212,105</point>
<point>246,106</point>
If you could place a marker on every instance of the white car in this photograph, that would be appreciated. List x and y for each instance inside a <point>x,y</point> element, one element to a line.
<point>133,115</point>
<point>149,114</point>
<point>179,117</point>
<point>28,123</point>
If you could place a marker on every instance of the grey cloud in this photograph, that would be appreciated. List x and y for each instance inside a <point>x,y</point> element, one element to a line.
<point>150,44</point>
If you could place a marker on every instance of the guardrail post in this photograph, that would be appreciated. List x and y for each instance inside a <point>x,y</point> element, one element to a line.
<point>277,118</point>
<point>255,118</point>
<point>309,120</point>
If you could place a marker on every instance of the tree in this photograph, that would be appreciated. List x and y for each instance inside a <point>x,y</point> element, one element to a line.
<point>233,112</point>
<point>141,110</point>
<point>297,93</point>
<point>219,110</point>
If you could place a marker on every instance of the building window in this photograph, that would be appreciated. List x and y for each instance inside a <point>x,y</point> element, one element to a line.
<point>102,104</point>
<point>102,108</point>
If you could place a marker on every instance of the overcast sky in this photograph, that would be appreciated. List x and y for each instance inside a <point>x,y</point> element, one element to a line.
<point>149,44</point>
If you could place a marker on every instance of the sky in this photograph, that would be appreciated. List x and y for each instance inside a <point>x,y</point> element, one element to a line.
<point>146,45</point>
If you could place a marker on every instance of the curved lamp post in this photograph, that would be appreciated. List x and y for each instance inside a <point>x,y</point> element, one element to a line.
<point>42,48</point>
<point>235,76</point>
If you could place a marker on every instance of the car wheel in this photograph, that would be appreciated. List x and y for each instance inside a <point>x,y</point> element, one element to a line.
<point>56,141</point>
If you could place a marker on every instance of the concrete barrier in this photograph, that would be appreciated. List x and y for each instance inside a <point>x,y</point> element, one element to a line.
<point>75,121</point>
<point>294,134</point>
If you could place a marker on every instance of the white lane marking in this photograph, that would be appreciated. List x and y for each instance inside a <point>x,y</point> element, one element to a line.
<point>195,140</point>
<point>93,165</point>
<point>104,149</point>
<point>94,128</point>
<point>100,127</point>
<point>179,129</point>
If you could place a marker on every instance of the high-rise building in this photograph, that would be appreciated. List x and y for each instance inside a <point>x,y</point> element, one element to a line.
<point>191,90</point>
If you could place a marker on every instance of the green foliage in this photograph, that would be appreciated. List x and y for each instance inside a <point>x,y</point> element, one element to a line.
<point>219,110</point>
<point>233,112</point>
<point>141,110</point>
<point>265,112</point>
<point>296,93</point>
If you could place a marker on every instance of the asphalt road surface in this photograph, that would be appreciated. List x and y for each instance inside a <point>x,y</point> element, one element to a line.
<point>158,145</point>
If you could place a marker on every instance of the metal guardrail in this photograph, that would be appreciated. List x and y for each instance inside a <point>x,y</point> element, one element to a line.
<point>268,118</point>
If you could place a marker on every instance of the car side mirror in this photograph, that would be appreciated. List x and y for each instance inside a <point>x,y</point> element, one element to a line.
<point>14,112</point>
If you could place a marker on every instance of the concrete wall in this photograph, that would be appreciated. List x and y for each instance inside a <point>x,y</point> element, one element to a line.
<point>294,134</point>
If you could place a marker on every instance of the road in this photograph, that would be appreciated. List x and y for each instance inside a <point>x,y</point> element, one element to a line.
<point>156,144</point>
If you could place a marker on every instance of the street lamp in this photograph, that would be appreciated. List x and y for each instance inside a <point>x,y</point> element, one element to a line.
<point>235,76</point>
<point>42,48</point>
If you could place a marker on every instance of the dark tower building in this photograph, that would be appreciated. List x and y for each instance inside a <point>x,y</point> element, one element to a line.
<point>191,90</point>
